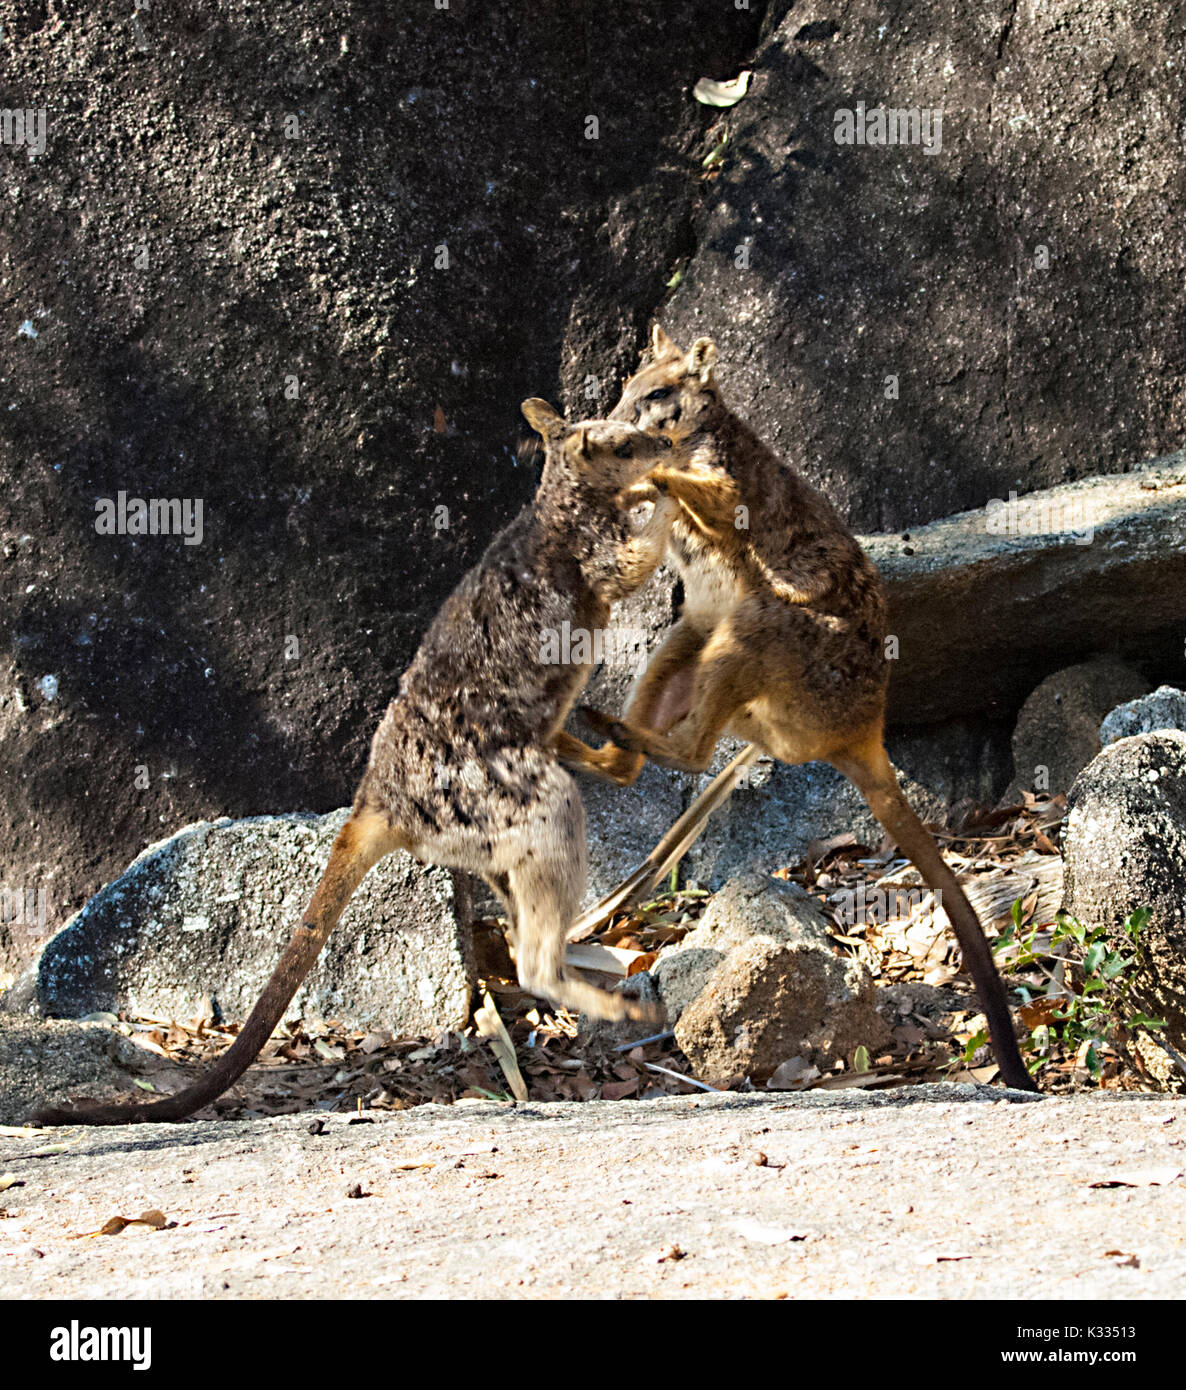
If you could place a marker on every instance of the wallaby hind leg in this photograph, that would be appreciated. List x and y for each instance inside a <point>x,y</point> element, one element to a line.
<point>868,765</point>
<point>727,676</point>
<point>541,967</point>
<point>662,697</point>
<point>544,886</point>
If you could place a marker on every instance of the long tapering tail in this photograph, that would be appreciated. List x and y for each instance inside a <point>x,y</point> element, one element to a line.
<point>669,851</point>
<point>874,775</point>
<point>365,838</point>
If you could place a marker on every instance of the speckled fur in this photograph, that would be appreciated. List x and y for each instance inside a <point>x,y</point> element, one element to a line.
<point>781,642</point>
<point>462,769</point>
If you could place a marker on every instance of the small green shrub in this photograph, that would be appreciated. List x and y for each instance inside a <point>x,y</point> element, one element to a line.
<point>1100,1010</point>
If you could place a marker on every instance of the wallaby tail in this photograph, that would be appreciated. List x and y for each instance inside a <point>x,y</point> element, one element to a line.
<point>365,838</point>
<point>670,850</point>
<point>874,775</point>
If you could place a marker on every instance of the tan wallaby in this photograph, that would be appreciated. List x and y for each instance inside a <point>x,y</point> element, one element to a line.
<point>780,642</point>
<point>462,771</point>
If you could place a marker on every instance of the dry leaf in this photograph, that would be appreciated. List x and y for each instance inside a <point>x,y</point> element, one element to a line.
<point>588,955</point>
<point>792,1075</point>
<point>439,423</point>
<point>153,1218</point>
<point>1141,1177</point>
<point>1040,1012</point>
<point>616,1090</point>
<point>712,93</point>
<point>1123,1259</point>
<point>492,1028</point>
<point>51,1149</point>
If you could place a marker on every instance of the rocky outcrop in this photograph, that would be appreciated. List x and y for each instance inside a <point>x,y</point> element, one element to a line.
<point>1163,708</point>
<point>1124,843</point>
<point>299,263</point>
<point>982,613</point>
<point>297,318</point>
<point>195,925</point>
<point>1057,731</point>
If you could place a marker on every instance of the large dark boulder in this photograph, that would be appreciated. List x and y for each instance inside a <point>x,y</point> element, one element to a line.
<point>228,254</point>
<point>1022,285</point>
<point>224,280</point>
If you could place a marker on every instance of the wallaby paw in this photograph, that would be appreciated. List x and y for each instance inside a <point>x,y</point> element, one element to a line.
<point>603,773</point>
<point>619,734</point>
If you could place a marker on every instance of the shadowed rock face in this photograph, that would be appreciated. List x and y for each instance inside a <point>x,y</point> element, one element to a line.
<point>1022,285</point>
<point>1057,731</point>
<point>228,253</point>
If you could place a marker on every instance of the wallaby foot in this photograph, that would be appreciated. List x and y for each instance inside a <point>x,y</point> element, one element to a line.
<point>659,748</point>
<point>607,764</point>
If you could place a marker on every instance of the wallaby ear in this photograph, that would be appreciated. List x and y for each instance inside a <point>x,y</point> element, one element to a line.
<point>583,443</point>
<point>542,418</point>
<point>661,344</point>
<point>703,358</point>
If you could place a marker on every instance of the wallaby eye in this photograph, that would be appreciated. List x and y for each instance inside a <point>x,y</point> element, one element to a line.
<point>660,395</point>
<point>624,451</point>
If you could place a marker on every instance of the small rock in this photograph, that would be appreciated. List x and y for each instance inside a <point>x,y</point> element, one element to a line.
<point>1058,728</point>
<point>1124,843</point>
<point>780,993</point>
<point>1163,708</point>
<point>748,906</point>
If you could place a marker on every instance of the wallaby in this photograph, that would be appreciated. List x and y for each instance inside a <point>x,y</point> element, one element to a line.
<point>780,641</point>
<point>462,771</point>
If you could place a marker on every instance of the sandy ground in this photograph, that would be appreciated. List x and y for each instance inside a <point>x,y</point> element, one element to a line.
<point>935,1191</point>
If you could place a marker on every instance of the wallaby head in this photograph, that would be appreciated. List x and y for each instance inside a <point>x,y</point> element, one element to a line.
<point>602,457</point>
<point>602,506</point>
<point>673,392</point>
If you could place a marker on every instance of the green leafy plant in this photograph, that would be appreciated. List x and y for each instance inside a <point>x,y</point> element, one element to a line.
<point>1073,1014</point>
